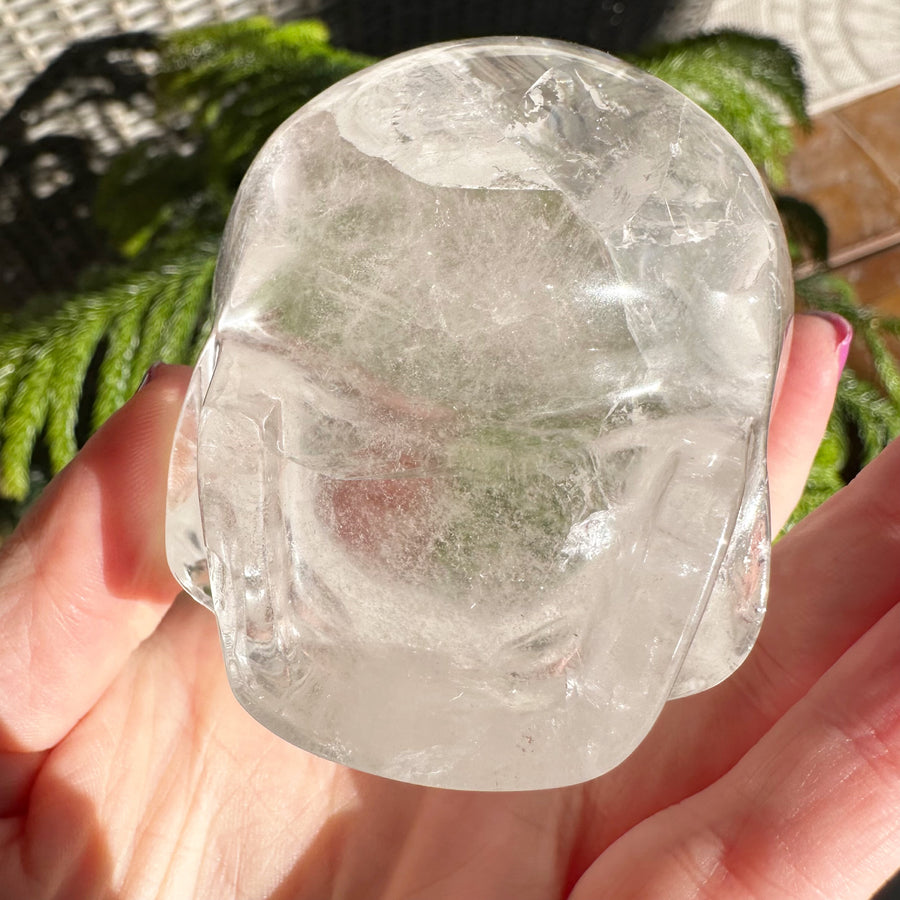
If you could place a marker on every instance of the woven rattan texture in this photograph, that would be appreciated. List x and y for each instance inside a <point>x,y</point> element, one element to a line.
<point>33,32</point>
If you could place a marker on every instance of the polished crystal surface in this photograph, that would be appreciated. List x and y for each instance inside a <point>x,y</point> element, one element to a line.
<point>472,468</point>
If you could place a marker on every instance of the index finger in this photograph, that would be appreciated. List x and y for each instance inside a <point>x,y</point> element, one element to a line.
<point>84,580</point>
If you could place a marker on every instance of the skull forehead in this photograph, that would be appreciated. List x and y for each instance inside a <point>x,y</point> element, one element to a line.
<point>470,199</point>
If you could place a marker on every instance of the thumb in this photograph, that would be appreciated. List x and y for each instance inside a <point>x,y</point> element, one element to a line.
<point>84,580</point>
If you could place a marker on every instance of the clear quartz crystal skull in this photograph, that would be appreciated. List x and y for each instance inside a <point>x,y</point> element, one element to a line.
<point>472,468</point>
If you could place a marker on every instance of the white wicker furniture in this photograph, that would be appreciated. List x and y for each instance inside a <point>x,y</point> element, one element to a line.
<point>34,32</point>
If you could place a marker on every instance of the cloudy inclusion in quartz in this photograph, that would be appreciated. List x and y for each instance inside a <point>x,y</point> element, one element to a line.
<point>472,468</point>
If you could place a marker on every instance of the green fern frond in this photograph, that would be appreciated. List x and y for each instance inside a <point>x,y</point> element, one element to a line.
<point>23,421</point>
<point>866,417</point>
<point>828,292</point>
<point>74,339</point>
<point>832,294</point>
<point>122,341</point>
<point>891,326</point>
<point>884,361</point>
<point>141,318</point>
<point>751,84</point>
<point>872,421</point>
<point>165,187</point>
<point>158,319</point>
<point>15,347</point>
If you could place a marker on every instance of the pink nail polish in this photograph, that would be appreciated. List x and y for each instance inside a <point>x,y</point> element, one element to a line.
<point>843,332</point>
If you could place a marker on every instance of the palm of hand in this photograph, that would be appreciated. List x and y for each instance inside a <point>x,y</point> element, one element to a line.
<point>160,784</point>
<point>166,772</point>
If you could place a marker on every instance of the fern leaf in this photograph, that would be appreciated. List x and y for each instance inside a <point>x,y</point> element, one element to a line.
<point>153,332</point>
<point>195,286</point>
<point>141,318</point>
<point>874,420</point>
<point>77,331</point>
<point>50,378</point>
<point>891,326</point>
<point>177,301</point>
<point>865,418</point>
<point>15,346</point>
<point>885,363</point>
<point>24,421</point>
<point>832,294</point>
<point>123,338</point>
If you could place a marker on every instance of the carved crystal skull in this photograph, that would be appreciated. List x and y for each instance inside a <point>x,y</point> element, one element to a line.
<point>472,468</point>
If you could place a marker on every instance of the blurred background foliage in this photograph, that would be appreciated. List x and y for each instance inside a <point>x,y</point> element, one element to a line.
<point>140,252</point>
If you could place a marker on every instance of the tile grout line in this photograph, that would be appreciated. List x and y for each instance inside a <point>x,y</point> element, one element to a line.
<point>854,254</point>
<point>864,249</point>
<point>870,150</point>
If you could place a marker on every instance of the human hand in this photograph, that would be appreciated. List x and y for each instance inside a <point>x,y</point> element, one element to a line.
<point>127,768</point>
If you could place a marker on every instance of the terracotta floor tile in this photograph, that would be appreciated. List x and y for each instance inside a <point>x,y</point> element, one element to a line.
<point>858,200</point>
<point>849,168</point>
<point>876,280</point>
<point>874,123</point>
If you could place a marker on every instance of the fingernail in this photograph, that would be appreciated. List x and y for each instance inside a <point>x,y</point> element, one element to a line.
<point>149,375</point>
<point>843,331</point>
